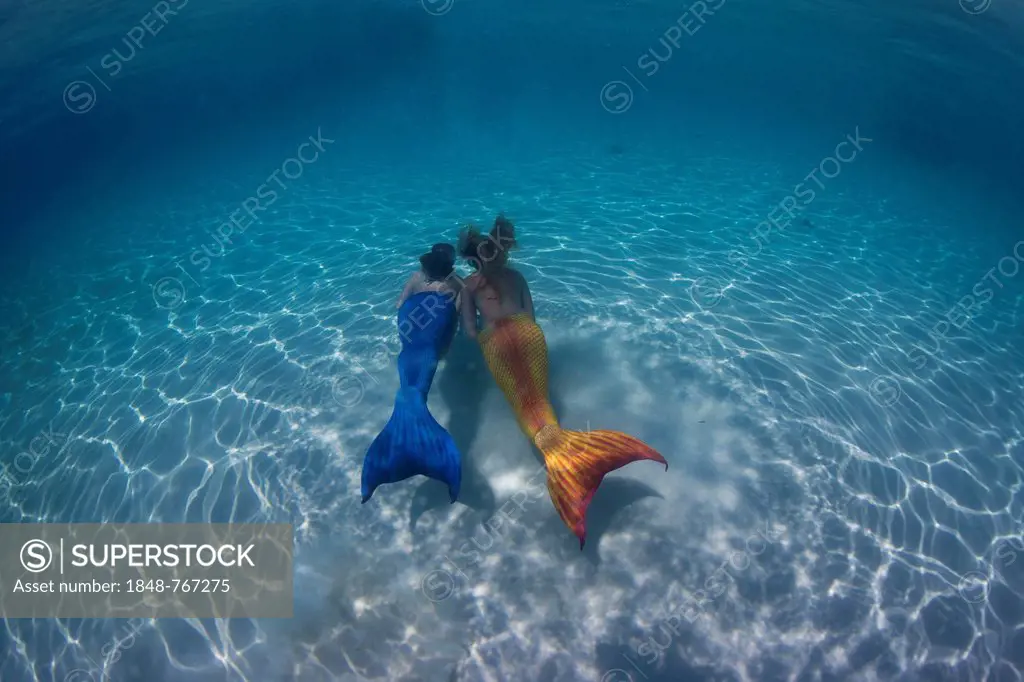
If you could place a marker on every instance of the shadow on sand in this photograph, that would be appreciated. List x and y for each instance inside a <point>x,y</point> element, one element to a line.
<point>463,382</point>
<point>613,496</point>
<point>571,361</point>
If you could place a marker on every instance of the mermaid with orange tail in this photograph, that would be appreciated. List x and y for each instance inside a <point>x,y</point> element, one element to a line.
<point>516,353</point>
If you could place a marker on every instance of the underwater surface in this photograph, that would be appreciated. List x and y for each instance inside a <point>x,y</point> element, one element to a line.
<point>781,242</point>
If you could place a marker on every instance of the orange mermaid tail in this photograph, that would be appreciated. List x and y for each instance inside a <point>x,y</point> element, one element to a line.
<point>517,356</point>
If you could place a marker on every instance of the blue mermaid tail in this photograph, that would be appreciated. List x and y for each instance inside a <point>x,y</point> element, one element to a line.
<point>413,442</point>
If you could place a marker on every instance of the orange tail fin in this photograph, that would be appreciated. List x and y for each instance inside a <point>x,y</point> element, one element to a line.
<point>577,463</point>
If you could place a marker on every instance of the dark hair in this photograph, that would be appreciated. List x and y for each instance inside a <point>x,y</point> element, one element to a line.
<point>439,262</point>
<point>444,249</point>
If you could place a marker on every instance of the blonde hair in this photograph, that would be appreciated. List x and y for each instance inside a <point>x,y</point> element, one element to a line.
<point>488,252</point>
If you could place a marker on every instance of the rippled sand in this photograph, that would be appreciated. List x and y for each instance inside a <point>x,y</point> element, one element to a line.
<point>850,508</point>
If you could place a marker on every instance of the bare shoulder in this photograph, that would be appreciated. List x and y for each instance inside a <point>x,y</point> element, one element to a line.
<point>416,281</point>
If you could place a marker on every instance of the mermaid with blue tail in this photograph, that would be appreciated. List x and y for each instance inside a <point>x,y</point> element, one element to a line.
<point>413,442</point>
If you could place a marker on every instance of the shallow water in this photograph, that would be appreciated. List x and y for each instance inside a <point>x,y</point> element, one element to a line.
<point>843,425</point>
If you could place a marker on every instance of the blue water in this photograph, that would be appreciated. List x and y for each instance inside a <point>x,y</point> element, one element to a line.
<point>838,393</point>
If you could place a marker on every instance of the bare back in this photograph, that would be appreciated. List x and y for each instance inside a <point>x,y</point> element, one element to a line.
<point>418,283</point>
<point>499,293</point>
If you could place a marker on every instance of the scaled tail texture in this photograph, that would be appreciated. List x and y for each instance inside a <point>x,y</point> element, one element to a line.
<point>412,443</point>
<point>516,353</point>
<point>577,463</point>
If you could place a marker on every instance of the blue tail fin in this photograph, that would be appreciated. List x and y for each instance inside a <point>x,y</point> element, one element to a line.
<point>412,443</point>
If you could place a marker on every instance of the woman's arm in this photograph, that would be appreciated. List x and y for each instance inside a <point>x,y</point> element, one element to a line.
<point>456,290</point>
<point>469,309</point>
<point>409,286</point>
<point>456,285</point>
<point>527,298</point>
